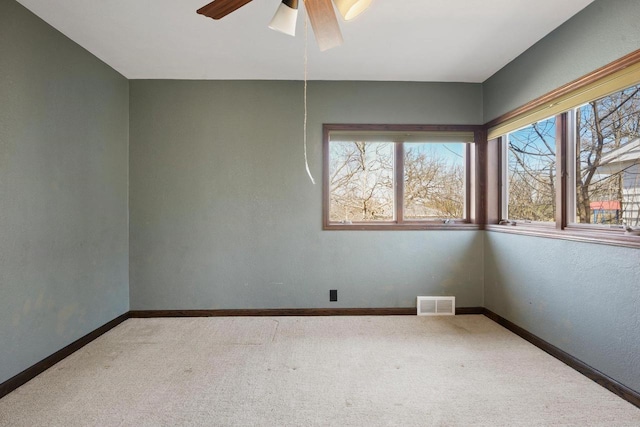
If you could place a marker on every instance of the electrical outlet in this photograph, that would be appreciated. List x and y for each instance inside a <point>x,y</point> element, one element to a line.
<point>333,295</point>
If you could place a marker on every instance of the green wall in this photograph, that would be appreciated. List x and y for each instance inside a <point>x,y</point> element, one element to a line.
<point>223,215</point>
<point>583,298</point>
<point>601,33</point>
<point>63,191</point>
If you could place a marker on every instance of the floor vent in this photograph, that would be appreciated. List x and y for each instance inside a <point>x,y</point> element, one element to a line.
<point>436,306</point>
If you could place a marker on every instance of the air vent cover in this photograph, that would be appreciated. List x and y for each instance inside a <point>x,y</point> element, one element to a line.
<point>436,306</point>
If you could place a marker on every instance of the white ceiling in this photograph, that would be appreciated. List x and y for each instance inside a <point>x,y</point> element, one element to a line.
<point>404,40</point>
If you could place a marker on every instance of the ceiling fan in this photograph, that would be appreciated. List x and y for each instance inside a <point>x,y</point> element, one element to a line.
<point>321,14</point>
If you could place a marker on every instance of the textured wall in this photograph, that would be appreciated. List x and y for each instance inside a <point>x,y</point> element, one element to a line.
<point>580,297</point>
<point>224,216</point>
<point>603,32</point>
<point>63,191</point>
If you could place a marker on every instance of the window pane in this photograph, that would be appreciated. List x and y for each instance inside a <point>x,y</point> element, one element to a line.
<point>532,172</point>
<point>361,181</point>
<point>434,177</point>
<point>608,160</point>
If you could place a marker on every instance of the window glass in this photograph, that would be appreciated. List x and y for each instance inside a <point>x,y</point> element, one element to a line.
<point>434,181</point>
<point>361,181</point>
<point>531,172</point>
<point>395,176</point>
<point>607,165</point>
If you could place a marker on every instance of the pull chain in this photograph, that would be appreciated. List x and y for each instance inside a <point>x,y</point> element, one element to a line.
<point>306,39</point>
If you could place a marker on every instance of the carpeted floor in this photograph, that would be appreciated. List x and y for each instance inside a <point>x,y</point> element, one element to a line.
<point>313,371</point>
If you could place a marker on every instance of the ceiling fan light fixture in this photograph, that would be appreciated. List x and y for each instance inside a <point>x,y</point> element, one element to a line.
<point>286,17</point>
<point>349,9</point>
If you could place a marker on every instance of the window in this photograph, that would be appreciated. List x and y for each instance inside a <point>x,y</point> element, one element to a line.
<point>434,180</point>
<point>568,164</point>
<point>531,166</point>
<point>384,176</point>
<point>603,159</point>
<point>361,181</point>
<point>607,160</point>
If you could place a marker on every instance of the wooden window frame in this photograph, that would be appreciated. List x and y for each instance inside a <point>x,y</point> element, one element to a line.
<point>503,162</point>
<point>562,228</point>
<point>473,172</point>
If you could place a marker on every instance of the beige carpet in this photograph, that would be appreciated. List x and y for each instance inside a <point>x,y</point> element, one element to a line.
<point>313,371</point>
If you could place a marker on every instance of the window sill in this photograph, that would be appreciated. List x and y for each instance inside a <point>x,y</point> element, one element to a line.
<point>578,234</point>
<point>405,226</point>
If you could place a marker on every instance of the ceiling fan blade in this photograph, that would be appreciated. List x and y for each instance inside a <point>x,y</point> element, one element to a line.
<point>324,22</point>
<point>220,8</point>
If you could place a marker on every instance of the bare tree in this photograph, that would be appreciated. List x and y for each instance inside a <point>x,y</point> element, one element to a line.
<point>361,181</point>
<point>532,172</point>
<point>602,126</point>
<point>433,184</point>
